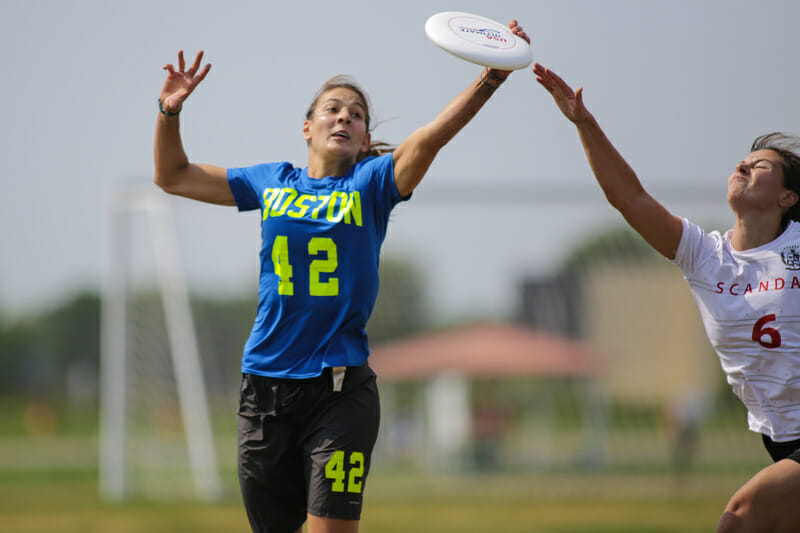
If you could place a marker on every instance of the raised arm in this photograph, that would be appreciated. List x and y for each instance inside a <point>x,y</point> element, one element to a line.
<point>414,156</point>
<point>661,229</point>
<point>173,171</point>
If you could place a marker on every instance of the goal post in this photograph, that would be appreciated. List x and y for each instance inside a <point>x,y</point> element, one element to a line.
<point>184,355</point>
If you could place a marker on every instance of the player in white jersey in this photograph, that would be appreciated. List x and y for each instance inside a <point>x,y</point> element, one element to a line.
<point>747,286</point>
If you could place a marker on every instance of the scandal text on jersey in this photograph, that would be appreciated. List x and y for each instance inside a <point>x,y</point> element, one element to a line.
<point>743,289</point>
<point>791,258</point>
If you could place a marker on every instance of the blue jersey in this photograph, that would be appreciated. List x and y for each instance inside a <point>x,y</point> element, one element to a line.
<point>321,240</point>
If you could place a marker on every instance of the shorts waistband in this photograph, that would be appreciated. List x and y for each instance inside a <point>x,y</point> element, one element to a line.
<point>328,373</point>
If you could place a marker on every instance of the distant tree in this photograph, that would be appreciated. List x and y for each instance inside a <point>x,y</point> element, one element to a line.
<point>619,244</point>
<point>37,353</point>
<point>223,326</point>
<point>400,309</point>
<point>17,357</point>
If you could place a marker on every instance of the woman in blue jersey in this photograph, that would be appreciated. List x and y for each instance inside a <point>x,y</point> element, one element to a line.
<point>308,412</point>
<point>746,283</point>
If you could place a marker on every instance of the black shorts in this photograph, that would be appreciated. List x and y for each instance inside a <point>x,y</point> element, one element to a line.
<point>305,448</point>
<point>782,450</point>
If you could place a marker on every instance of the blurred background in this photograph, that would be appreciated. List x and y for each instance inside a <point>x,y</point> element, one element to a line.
<point>540,367</point>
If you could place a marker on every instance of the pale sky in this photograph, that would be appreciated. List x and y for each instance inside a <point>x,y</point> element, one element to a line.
<point>682,87</point>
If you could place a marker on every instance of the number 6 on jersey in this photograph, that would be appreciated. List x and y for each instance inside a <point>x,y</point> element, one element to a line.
<point>759,331</point>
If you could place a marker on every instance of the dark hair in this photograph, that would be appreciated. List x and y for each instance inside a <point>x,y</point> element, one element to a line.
<point>376,147</point>
<point>788,147</point>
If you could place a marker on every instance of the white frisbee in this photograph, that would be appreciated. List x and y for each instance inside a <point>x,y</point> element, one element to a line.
<point>478,40</point>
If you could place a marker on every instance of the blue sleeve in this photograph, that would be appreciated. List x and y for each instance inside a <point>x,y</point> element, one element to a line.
<point>247,183</point>
<point>381,175</point>
<point>376,175</point>
<point>244,191</point>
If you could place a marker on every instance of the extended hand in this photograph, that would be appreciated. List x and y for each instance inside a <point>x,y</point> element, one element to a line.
<point>179,85</point>
<point>568,101</point>
<point>517,30</point>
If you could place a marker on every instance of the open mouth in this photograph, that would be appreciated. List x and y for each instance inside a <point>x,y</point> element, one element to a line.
<point>340,135</point>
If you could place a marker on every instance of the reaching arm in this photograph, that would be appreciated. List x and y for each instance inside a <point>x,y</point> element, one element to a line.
<point>173,171</point>
<point>414,156</point>
<point>661,229</point>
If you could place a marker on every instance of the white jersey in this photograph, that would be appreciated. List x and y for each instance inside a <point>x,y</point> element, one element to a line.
<point>750,305</point>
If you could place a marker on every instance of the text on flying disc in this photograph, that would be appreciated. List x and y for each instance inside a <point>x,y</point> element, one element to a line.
<point>488,37</point>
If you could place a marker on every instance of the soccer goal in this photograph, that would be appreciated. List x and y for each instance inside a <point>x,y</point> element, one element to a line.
<point>155,426</point>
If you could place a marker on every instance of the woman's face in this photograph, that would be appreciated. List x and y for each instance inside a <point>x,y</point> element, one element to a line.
<point>757,183</point>
<point>338,124</point>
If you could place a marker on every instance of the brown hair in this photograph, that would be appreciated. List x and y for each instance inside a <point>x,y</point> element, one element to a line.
<point>788,147</point>
<point>376,148</point>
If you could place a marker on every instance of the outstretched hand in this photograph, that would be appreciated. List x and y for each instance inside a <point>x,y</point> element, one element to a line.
<point>179,85</point>
<point>517,30</point>
<point>568,101</point>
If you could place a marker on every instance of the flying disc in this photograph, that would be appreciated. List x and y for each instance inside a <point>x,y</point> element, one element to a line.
<point>478,40</point>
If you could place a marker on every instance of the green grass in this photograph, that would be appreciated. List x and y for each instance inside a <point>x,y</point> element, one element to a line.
<point>66,501</point>
<point>548,502</point>
<point>48,483</point>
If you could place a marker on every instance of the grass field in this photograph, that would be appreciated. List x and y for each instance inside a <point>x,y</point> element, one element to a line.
<point>48,483</point>
<point>66,501</point>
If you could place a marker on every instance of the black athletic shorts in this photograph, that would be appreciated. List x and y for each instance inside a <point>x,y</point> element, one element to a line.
<point>782,450</point>
<point>304,447</point>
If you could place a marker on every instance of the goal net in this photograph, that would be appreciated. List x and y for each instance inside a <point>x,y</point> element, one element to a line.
<point>156,437</point>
